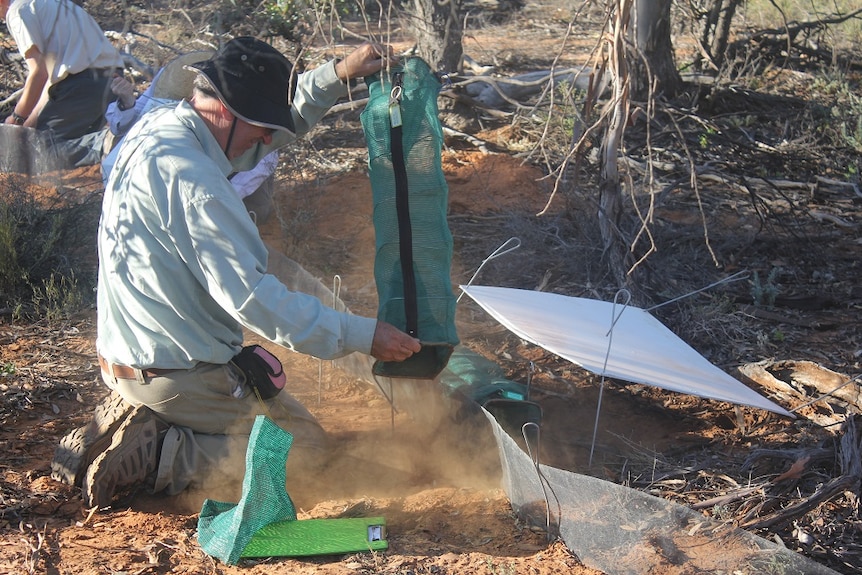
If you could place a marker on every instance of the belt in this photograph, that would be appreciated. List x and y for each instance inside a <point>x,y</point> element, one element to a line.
<point>95,73</point>
<point>126,372</point>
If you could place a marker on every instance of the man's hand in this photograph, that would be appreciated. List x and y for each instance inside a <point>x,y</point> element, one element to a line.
<point>365,60</point>
<point>392,344</point>
<point>125,92</point>
<point>12,121</point>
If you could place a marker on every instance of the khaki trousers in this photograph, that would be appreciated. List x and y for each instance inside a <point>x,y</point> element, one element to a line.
<point>211,413</point>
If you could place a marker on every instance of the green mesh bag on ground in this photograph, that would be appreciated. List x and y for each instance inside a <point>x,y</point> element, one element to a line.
<point>224,529</point>
<point>413,242</point>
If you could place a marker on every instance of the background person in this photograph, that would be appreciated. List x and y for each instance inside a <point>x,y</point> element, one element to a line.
<point>70,65</point>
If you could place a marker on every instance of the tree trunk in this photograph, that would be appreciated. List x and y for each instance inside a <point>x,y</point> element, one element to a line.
<point>610,188</point>
<point>436,26</point>
<point>716,30</point>
<point>653,62</point>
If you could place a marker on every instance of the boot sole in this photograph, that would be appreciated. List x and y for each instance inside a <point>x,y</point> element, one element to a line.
<point>131,457</point>
<point>78,448</point>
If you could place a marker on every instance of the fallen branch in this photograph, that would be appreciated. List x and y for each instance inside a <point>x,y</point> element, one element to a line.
<point>841,223</point>
<point>781,40</point>
<point>828,491</point>
<point>811,455</point>
<point>496,92</point>
<point>839,184</point>
<point>727,498</point>
<point>481,145</point>
<point>760,313</point>
<point>794,379</point>
<point>13,97</point>
<point>849,480</point>
<point>347,106</point>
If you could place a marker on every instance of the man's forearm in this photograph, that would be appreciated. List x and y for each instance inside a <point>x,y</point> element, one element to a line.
<point>28,105</point>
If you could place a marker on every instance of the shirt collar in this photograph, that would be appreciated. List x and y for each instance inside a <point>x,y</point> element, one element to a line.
<point>188,116</point>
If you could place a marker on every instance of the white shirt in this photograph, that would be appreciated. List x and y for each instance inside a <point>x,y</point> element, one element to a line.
<point>68,37</point>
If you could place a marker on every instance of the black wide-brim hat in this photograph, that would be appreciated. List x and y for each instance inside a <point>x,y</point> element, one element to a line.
<point>254,80</point>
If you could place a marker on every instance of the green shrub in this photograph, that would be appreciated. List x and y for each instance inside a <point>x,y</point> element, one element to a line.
<point>843,124</point>
<point>39,251</point>
<point>765,293</point>
<point>293,20</point>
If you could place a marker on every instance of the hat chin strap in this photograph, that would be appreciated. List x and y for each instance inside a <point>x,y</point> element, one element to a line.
<point>230,136</point>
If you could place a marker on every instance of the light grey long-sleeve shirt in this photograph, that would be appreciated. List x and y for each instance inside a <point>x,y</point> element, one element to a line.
<point>182,267</point>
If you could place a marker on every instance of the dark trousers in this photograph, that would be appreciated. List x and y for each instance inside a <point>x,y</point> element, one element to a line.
<point>74,116</point>
<point>76,105</point>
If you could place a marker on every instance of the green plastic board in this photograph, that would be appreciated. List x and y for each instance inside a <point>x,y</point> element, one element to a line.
<point>305,537</point>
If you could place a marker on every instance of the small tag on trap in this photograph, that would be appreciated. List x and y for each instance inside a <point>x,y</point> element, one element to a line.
<point>306,537</point>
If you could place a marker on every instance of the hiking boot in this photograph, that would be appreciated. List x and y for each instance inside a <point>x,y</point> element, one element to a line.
<point>132,456</point>
<point>78,448</point>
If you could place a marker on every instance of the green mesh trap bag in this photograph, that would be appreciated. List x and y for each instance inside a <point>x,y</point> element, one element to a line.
<point>224,529</point>
<point>413,243</point>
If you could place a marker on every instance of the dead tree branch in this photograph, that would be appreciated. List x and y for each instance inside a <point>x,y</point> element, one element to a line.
<point>850,480</point>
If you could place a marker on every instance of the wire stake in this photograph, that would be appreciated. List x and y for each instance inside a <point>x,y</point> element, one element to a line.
<point>502,250</point>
